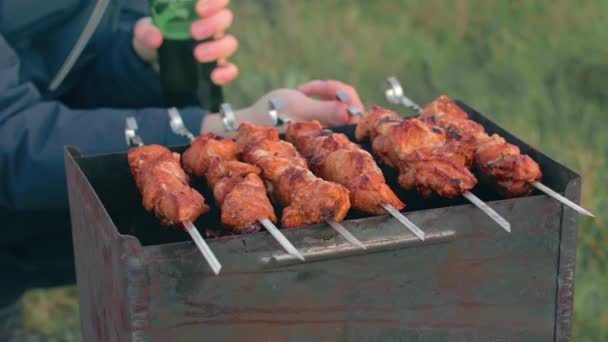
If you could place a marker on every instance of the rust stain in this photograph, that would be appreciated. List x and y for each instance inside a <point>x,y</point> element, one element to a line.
<point>216,309</point>
<point>512,325</point>
<point>248,287</point>
<point>451,278</point>
<point>475,262</point>
<point>476,235</point>
<point>282,322</point>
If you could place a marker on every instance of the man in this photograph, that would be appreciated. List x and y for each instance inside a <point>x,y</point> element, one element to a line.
<point>70,72</point>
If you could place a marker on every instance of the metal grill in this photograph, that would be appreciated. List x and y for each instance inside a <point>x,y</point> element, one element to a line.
<point>467,280</point>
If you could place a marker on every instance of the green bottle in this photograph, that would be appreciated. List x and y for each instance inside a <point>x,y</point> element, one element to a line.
<point>182,77</point>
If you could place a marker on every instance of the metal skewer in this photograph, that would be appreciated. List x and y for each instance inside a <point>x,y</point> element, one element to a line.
<point>540,186</point>
<point>343,97</point>
<point>203,247</point>
<point>274,109</point>
<point>134,140</point>
<point>394,94</point>
<point>486,209</point>
<point>345,233</point>
<point>178,127</point>
<point>281,239</point>
<point>404,220</point>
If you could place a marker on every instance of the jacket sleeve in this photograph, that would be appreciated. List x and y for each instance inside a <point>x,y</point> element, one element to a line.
<point>33,133</point>
<point>116,77</point>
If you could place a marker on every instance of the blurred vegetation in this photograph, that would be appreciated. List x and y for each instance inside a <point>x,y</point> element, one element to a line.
<point>535,67</point>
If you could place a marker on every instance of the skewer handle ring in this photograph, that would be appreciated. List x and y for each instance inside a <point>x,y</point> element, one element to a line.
<point>177,124</point>
<point>394,94</point>
<point>131,133</point>
<point>228,117</point>
<point>274,107</point>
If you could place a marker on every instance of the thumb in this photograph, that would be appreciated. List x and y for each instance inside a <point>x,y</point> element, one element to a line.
<point>147,38</point>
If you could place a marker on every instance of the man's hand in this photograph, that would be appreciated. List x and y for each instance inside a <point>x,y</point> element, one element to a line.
<point>215,19</point>
<point>298,105</point>
<point>327,91</point>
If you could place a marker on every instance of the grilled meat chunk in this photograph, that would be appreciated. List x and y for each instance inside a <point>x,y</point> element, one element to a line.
<point>237,187</point>
<point>495,159</point>
<point>333,157</point>
<point>427,162</point>
<point>306,199</point>
<point>164,185</point>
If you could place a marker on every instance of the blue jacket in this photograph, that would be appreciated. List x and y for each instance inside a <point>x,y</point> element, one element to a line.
<point>69,76</point>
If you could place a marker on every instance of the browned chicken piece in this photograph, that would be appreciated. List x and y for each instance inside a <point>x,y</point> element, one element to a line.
<point>252,153</point>
<point>140,159</point>
<point>357,170</point>
<point>429,173</point>
<point>300,133</point>
<point>220,169</point>
<point>315,142</point>
<point>334,157</point>
<point>237,187</point>
<point>164,185</point>
<point>454,151</point>
<point>396,140</point>
<point>272,166</point>
<point>316,202</point>
<point>306,199</point>
<point>427,162</point>
<point>503,162</point>
<point>374,116</point>
<point>495,159</point>
<point>244,203</point>
<point>250,133</point>
<point>204,149</point>
<point>445,113</point>
<point>444,107</point>
<point>285,176</point>
<point>312,140</point>
<point>324,146</point>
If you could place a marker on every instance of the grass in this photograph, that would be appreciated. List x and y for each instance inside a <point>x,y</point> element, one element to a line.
<point>53,313</point>
<point>536,67</point>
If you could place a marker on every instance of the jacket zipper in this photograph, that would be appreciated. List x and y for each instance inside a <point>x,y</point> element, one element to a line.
<point>83,40</point>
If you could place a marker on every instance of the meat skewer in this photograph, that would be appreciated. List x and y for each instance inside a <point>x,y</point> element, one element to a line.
<point>515,173</point>
<point>306,199</point>
<point>275,106</point>
<point>237,187</point>
<point>426,161</point>
<point>448,151</point>
<point>165,188</point>
<point>334,157</point>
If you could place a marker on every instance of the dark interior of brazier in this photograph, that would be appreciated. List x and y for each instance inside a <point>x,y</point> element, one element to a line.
<point>112,181</point>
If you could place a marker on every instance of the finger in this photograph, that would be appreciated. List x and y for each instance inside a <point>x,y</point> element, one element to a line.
<point>214,50</point>
<point>314,88</point>
<point>208,27</point>
<point>206,8</point>
<point>224,74</point>
<point>147,35</point>
<point>327,90</point>
<point>329,113</point>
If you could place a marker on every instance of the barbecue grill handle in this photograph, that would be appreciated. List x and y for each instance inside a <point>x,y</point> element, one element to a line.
<point>325,252</point>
